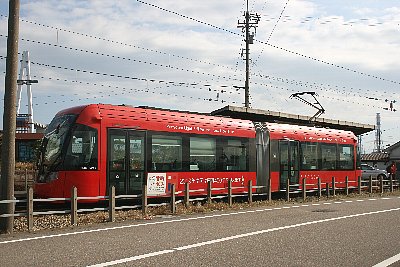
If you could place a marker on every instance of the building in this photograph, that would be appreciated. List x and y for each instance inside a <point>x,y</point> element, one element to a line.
<point>378,160</point>
<point>26,143</point>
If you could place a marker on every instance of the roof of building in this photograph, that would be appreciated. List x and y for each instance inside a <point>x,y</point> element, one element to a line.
<point>272,116</point>
<point>28,136</point>
<point>392,147</point>
<point>375,156</point>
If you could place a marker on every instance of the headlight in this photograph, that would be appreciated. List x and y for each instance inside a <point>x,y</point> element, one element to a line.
<point>52,176</point>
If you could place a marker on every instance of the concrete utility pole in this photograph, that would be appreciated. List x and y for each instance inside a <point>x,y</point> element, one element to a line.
<point>251,21</point>
<point>9,119</point>
<point>378,132</point>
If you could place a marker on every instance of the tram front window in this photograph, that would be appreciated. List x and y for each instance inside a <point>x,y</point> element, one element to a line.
<point>52,144</point>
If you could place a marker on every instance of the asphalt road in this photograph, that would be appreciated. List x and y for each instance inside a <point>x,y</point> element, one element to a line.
<point>352,232</point>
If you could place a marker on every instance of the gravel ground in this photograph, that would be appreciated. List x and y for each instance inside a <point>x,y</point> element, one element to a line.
<point>64,221</point>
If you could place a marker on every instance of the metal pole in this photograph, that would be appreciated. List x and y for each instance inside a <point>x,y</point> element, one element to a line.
<point>144,200</point>
<point>186,195</point>
<point>9,118</point>
<point>391,183</point>
<point>209,191</point>
<point>230,193</point>
<point>111,204</point>
<point>304,189</point>
<point>288,189</point>
<point>347,185</point>
<point>319,187</point>
<point>29,198</point>
<point>327,189</point>
<point>269,190</point>
<point>370,184</point>
<point>250,191</point>
<point>173,202</point>
<point>74,206</point>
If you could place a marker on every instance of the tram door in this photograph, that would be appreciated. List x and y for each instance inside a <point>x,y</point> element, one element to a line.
<point>289,162</point>
<point>126,160</point>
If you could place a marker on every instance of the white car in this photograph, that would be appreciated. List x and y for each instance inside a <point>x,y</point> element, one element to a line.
<point>368,170</point>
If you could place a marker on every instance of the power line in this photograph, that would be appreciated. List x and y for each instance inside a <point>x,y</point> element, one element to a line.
<point>219,28</point>
<point>273,30</point>
<point>103,74</point>
<point>124,89</point>
<point>324,96</point>
<point>324,87</point>
<point>187,17</point>
<point>206,87</point>
<point>121,43</point>
<point>276,47</point>
<point>124,58</point>
<point>331,64</point>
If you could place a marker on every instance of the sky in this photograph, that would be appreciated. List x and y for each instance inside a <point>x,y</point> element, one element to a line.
<point>186,55</point>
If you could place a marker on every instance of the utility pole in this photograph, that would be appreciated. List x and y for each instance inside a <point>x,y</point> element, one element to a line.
<point>378,132</point>
<point>251,21</point>
<point>359,145</point>
<point>9,119</point>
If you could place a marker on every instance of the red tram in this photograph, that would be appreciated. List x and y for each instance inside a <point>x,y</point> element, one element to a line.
<point>96,146</point>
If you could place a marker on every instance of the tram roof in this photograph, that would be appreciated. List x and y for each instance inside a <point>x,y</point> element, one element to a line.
<point>280,117</point>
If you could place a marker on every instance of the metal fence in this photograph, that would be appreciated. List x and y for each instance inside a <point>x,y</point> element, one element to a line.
<point>304,188</point>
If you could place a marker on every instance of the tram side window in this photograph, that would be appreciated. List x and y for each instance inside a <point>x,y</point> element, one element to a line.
<point>234,155</point>
<point>328,154</point>
<point>82,149</point>
<point>202,154</point>
<point>274,156</point>
<point>309,160</point>
<point>346,157</point>
<point>166,153</point>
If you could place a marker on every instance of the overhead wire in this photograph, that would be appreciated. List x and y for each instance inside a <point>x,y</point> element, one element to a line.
<point>272,31</point>
<point>334,88</point>
<point>206,24</point>
<point>121,43</point>
<point>344,99</point>
<point>112,41</point>
<point>124,89</point>
<point>170,82</point>
<point>276,47</point>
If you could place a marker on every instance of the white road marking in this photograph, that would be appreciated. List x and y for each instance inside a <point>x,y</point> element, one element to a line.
<point>389,261</point>
<point>224,239</point>
<point>372,199</point>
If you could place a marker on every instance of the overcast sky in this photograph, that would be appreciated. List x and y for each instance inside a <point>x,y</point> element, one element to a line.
<point>187,55</point>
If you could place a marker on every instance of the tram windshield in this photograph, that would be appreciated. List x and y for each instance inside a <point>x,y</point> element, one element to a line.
<point>53,142</point>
